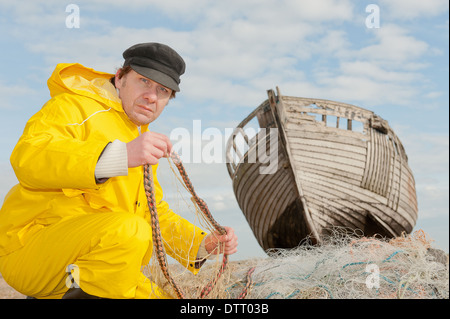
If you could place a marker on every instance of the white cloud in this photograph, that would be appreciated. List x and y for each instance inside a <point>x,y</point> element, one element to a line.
<point>369,83</point>
<point>36,14</point>
<point>395,47</point>
<point>11,94</point>
<point>411,9</point>
<point>433,200</point>
<point>376,72</point>
<point>428,158</point>
<point>428,152</point>
<point>235,50</point>
<point>367,92</point>
<point>243,47</point>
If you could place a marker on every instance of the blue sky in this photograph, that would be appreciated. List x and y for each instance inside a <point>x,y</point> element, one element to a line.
<point>235,51</point>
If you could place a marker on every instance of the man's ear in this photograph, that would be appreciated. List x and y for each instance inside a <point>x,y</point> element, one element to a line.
<point>117,81</point>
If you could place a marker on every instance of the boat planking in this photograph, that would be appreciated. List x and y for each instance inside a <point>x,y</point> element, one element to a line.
<point>337,165</point>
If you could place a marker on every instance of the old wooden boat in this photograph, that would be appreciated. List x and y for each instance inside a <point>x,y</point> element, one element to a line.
<point>337,165</point>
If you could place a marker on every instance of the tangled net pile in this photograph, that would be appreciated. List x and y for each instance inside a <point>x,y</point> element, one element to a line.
<point>344,267</point>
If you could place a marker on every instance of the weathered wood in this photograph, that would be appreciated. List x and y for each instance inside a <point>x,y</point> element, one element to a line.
<point>328,174</point>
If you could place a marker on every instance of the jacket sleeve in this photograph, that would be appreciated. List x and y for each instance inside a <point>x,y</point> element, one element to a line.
<point>182,239</point>
<point>55,153</point>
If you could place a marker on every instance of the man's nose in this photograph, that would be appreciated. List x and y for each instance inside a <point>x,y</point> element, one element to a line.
<point>151,94</point>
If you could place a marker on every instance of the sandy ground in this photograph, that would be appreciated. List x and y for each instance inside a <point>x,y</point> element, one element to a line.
<point>413,258</point>
<point>6,292</point>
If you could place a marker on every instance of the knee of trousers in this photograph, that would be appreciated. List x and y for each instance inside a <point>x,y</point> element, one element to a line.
<point>96,242</point>
<point>124,230</point>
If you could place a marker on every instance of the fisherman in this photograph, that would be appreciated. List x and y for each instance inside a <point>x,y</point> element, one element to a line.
<point>78,225</point>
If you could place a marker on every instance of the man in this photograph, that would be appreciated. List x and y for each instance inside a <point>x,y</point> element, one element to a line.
<point>80,204</point>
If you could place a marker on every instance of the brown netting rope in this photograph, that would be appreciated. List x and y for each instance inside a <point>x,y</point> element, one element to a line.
<point>156,232</point>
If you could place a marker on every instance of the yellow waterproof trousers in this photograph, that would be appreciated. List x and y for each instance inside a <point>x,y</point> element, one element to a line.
<point>106,252</point>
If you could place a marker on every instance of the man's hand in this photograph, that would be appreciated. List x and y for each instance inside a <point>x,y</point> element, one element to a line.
<point>217,244</point>
<point>148,148</point>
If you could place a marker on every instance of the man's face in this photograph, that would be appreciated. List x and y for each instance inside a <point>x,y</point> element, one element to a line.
<point>143,100</point>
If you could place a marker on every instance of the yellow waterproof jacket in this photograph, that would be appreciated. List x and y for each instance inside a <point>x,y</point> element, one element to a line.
<point>55,162</point>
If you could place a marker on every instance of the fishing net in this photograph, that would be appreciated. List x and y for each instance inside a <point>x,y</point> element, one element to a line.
<point>346,266</point>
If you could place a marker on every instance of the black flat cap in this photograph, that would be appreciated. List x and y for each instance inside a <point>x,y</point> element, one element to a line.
<point>157,62</point>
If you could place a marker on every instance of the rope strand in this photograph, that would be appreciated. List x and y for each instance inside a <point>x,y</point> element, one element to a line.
<point>156,232</point>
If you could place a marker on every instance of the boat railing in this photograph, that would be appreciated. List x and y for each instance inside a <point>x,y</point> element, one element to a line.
<point>243,138</point>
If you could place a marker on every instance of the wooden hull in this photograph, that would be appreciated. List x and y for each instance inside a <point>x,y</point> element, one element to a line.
<point>328,174</point>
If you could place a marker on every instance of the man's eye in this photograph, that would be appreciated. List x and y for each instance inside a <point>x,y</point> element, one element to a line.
<point>144,80</point>
<point>163,89</point>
